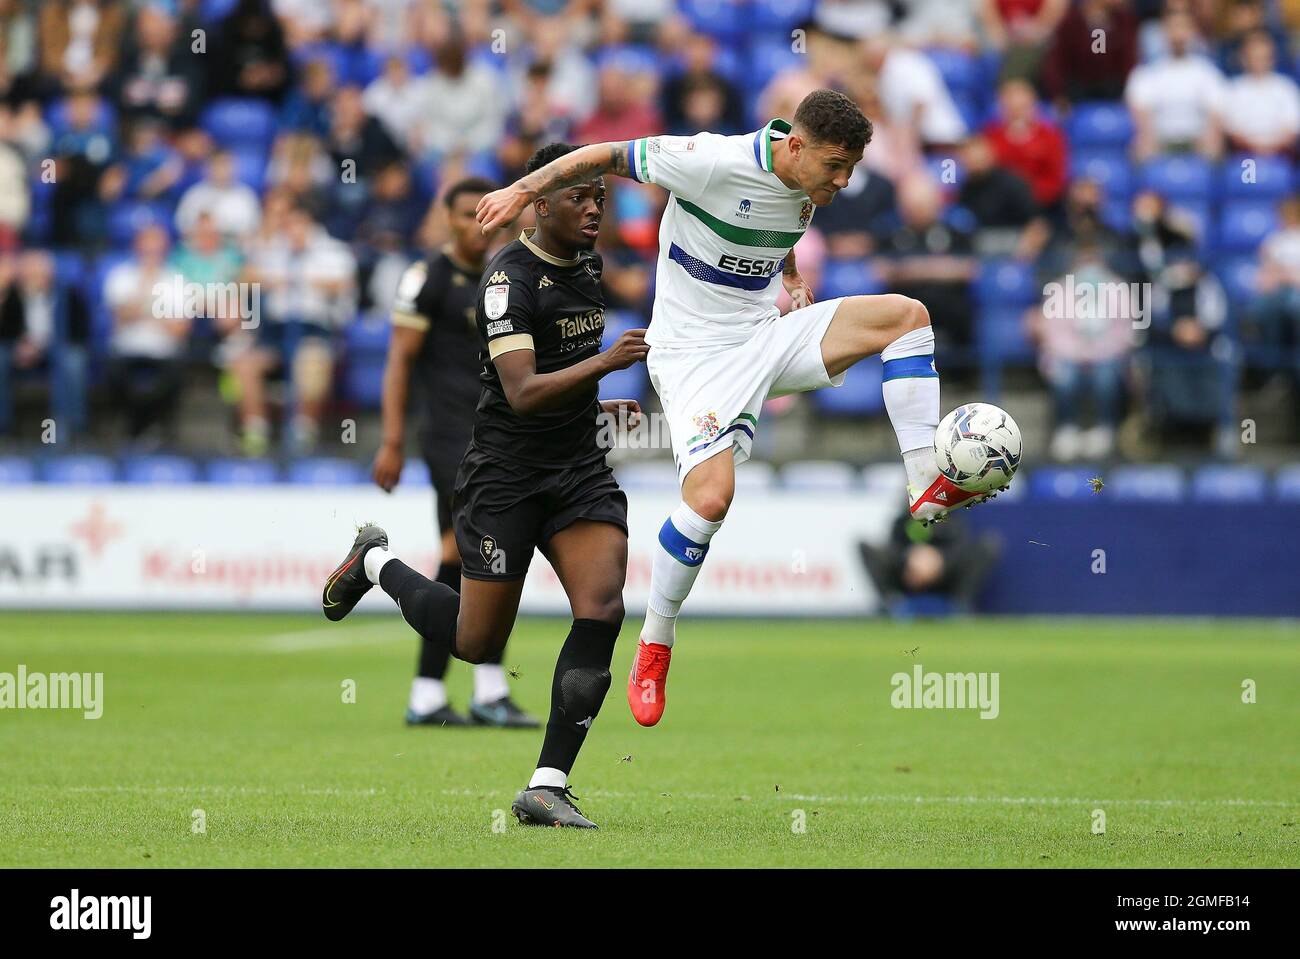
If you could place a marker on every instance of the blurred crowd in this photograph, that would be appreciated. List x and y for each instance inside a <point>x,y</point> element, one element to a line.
<point>299,147</point>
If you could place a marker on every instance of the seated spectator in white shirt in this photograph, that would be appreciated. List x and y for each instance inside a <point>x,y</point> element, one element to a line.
<point>147,347</point>
<point>913,93</point>
<point>1262,112</point>
<point>233,206</point>
<point>1177,102</point>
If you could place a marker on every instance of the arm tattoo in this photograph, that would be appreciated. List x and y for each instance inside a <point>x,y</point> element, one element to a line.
<point>572,169</point>
<point>790,269</point>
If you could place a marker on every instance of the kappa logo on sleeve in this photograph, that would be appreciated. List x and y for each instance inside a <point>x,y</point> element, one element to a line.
<point>499,277</point>
<point>495,301</point>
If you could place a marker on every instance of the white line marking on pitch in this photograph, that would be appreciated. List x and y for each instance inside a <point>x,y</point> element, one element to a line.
<point>716,797</point>
<point>332,638</point>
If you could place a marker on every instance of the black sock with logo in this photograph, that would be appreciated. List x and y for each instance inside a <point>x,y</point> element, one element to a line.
<point>581,681</point>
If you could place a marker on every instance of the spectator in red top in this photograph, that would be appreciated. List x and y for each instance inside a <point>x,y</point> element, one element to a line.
<point>1077,67</point>
<point>625,109</point>
<point>1028,144</point>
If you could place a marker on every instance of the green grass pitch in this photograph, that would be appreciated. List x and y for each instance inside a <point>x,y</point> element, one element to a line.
<point>770,725</point>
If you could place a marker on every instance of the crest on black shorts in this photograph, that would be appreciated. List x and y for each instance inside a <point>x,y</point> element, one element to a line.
<point>488,548</point>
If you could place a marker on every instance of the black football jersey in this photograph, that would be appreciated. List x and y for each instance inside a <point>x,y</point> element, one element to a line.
<point>437,296</point>
<point>529,299</point>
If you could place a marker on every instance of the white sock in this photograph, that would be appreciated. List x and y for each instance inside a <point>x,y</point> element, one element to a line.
<point>921,467</point>
<point>683,544</point>
<point>546,776</point>
<point>375,559</point>
<point>911,390</point>
<point>427,695</point>
<point>489,683</point>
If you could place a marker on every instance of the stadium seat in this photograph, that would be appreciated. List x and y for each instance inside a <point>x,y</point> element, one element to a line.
<point>1244,224</point>
<point>848,277</point>
<point>1001,336</point>
<point>723,19</point>
<point>325,471</point>
<point>56,117</point>
<point>859,395</point>
<point>829,476</point>
<point>1061,482</point>
<point>1110,168</point>
<point>1006,283</point>
<point>769,54</point>
<point>1286,485</point>
<point>1230,484</point>
<point>128,218</point>
<point>159,470</point>
<point>647,475</point>
<point>1154,484</point>
<point>960,70</point>
<point>780,14</point>
<point>1270,178</point>
<point>1179,178</point>
<point>242,472</point>
<point>1099,124</point>
<point>1238,277</point>
<point>79,469</point>
<point>1202,221</point>
<point>236,121</point>
<point>15,470</point>
<point>250,167</point>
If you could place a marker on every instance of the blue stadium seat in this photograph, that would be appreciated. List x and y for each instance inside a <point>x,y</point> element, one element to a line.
<point>1237,274</point>
<point>159,470</point>
<point>1099,124</point>
<point>56,117</point>
<point>250,167</point>
<point>1001,336</point>
<point>1006,283</point>
<point>961,72</point>
<point>769,54</point>
<point>325,471</point>
<point>363,382</point>
<point>15,470</point>
<point>211,11</point>
<point>1180,178</point>
<point>78,469</point>
<point>1243,225</point>
<point>69,267</point>
<point>848,277</point>
<point>859,395</point>
<point>1270,178</point>
<point>128,218</point>
<point>824,476</point>
<point>1230,484</point>
<point>236,121</point>
<point>1062,482</point>
<point>242,472</point>
<point>724,19</point>
<point>1286,485</point>
<point>1110,168</point>
<point>1154,484</point>
<point>1198,214</point>
<point>780,14</point>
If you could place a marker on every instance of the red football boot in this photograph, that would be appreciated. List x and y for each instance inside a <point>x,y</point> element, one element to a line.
<point>646,683</point>
<point>942,495</point>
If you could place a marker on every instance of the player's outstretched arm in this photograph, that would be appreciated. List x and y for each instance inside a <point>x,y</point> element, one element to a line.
<point>529,392</point>
<point>503,206</point>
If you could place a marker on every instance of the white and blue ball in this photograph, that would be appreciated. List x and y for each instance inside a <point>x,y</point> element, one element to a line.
<point>977,447</point>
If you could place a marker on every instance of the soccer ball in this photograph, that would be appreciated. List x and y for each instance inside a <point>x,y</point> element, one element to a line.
<point>978,446</point>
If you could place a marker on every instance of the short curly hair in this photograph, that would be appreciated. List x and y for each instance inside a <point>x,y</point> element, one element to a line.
<point>827,116</point>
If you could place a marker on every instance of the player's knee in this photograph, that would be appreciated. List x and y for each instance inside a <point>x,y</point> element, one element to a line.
<point>915,315</point>
<point>712,504</point>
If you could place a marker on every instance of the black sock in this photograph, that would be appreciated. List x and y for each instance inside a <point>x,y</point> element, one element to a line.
<point>429,608</point>
<point>435,652</point>
<point>579,687</point>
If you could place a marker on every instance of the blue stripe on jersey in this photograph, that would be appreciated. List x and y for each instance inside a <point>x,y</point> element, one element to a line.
<point>732,428</point>
<point>631,160</point>
<point>679,547</point>
<point>758,148</point>
<point>909,366</point>
<point>710,274</point>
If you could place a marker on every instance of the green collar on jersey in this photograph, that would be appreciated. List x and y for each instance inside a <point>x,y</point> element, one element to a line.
<point>763,141</point>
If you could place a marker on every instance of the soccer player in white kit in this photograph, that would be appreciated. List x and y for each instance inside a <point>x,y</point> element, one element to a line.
<point>719,346</point>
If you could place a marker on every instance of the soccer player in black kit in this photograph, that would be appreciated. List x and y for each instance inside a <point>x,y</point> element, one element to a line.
<point>435,341</point>
<point>534,477</point>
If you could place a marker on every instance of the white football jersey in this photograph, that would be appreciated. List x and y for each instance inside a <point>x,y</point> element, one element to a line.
<point>725,234</point>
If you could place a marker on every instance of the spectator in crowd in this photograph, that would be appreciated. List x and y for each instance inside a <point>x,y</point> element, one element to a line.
<point>531,125</point>
<point>1007,220</point>
<point>82,152</point>
<point>570,80</point>
<point>149,170</point>
<point>1262,109</point>
<point>1238,21</point>
<point>1029,144</point>
<point>1177,101</point>
<point>913,94</point>
<point>461,110</point>
<point>306,108</point>
<point>304,21</point>
<point>625,108</point>
<point>80,42</point>
<point>15,196</point>
<point>1082,224</point>
<point>1084,331</point>
<point>248,56</point>
<point>147,347</point>
<point>895,150</point>
<point>18,53</point>
<point>1020,30</point>
<point>829,59</point>
<point>943,559</point>
<point>931,261</point>
<point>635,21</point>
<point>208,258</point>
<point>1153,39</point>
<point>394,98</point>
<point>307,283</point>
<point>44,324</point>
<point>854,18</point>
<point>232,205</point>
<point>700,93</point>
<point>158,75</point>
<point>1274,317</point>
<point>1074,69</point>
<point>359,147</point>
<point>939,23</point>
<point>300,165</point>
<point>388,223</point>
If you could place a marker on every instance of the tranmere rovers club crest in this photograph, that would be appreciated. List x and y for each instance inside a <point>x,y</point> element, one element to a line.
<point>707,424</point>
<point>805,214</point>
